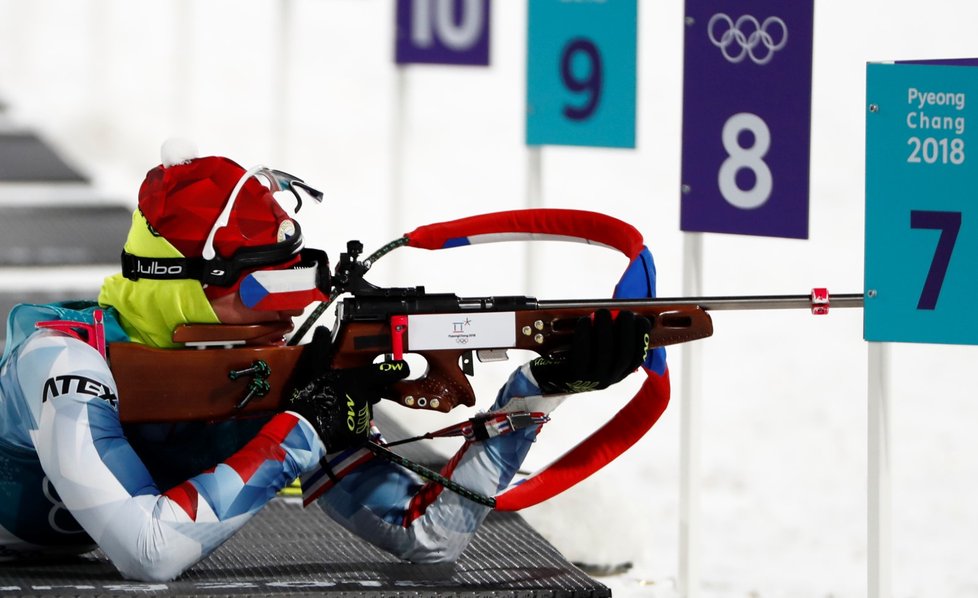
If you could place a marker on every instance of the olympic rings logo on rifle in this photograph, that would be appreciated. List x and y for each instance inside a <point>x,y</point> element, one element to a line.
<point>747,34</point>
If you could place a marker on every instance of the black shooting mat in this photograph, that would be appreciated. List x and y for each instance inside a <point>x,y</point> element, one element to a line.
<point>288,550</point>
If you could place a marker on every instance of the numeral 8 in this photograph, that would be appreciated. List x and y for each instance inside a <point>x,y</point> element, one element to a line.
<point>749,158</point>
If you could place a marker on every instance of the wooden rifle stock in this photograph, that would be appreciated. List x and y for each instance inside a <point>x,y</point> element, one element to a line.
<point>172,385</point>
<point>158,385</point>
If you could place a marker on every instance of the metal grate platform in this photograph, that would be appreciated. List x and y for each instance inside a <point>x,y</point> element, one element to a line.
<point>288,550</point>
<point>63,235</point>
<point>25,157</point>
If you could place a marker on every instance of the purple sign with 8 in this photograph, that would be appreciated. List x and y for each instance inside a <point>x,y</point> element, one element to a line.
<point>747,117</point>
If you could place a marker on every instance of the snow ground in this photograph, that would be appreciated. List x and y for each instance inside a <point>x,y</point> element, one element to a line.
<point>784,438</point>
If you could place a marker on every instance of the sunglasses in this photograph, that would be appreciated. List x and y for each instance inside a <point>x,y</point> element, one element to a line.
<point>275,180</point>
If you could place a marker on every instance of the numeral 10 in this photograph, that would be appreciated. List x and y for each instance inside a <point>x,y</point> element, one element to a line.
<point>457,33</point>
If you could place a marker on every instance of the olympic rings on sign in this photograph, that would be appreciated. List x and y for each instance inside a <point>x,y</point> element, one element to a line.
<point>748,35</point>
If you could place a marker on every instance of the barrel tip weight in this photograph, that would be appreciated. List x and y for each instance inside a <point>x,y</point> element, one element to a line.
<point>820,301</point>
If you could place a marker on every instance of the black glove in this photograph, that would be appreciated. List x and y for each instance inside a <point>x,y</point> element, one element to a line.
<point>337,402</point>
<point>603,351</point>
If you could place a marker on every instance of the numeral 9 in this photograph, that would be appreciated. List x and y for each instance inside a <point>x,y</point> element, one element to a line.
<point>590,83</point>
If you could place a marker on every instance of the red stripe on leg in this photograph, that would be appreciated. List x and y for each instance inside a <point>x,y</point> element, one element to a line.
<point>430,491</point>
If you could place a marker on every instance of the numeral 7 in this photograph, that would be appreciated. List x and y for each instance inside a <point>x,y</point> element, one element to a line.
<point>949,223</point>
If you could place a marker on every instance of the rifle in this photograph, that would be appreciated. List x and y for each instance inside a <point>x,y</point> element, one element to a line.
<point>226,371</point>
<point>227,376</point>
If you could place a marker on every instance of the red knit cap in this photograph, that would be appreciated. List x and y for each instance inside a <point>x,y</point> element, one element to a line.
<point>181,201</point>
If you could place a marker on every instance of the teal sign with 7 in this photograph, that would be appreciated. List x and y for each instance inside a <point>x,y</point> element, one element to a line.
<point>921,256</point>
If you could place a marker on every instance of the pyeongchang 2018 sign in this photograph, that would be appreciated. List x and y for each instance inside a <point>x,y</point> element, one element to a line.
<point>747,117</point>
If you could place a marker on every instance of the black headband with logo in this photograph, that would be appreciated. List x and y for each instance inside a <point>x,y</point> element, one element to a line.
<point>216,271</point>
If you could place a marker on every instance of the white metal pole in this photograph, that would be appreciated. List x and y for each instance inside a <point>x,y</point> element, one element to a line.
<point>395,221</point>
<point>182,71</point>
<point>534,199</point>
<point>879,542</point>
<point>534,176</point>
<point>690,431</point>
<point>282,83</point>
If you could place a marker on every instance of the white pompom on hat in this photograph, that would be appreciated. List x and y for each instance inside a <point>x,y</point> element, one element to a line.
<point>177,150</point>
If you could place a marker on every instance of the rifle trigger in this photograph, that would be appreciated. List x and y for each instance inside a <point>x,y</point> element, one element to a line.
<point>489,355</point>
<point>467,363</point>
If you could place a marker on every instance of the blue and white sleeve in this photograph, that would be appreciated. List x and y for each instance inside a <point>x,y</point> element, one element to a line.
<point>148,534</point>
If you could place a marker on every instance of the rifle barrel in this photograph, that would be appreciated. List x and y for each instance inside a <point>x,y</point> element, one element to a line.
<point>711,303</point>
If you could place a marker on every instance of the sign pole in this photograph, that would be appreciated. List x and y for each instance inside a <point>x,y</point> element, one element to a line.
<point>690,431</point>
<point>282,82</point>
<point>183,50</point>
<point>879,504</point>
<point>395,219</point>
<point>534,199</point>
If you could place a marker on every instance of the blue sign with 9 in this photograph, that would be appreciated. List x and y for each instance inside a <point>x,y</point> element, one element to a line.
<point>921,234</point>
<point>581,73</point>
